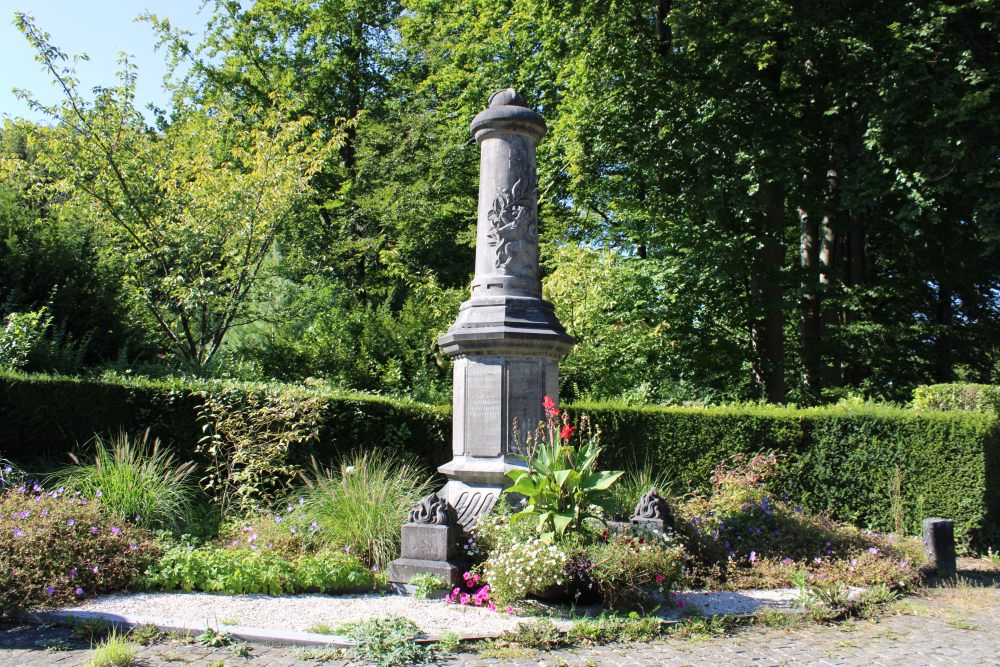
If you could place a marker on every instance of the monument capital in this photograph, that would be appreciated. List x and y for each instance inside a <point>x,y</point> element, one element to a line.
<point>507,113</point>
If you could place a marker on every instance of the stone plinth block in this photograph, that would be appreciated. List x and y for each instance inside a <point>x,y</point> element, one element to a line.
<point>402,570</point>
<point>429,542</point>
<point>939,545</point>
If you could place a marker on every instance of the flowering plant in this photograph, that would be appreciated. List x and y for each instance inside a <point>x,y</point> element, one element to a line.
<point>562,484</point>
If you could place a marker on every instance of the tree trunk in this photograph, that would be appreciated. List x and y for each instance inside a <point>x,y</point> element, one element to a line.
<point>768,336</point>
<point>811,328</point>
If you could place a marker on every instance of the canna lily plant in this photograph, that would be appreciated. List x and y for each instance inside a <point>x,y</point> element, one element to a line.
<point>562,485</point>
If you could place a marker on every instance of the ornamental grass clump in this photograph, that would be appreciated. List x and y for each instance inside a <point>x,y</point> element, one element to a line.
<point>136,481</point>
<point>57,548</point>
<point>360,505</point>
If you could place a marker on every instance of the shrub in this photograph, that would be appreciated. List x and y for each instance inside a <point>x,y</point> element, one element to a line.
<point>361,504</point>
<point>625,567</point>
<point>47,415</point>
<point>135,481</point>
<point>741,535</point>
<point>519,569</point>
<point>847,461</point>
<point>236,571</point>
<point>966,397</point>
<point>57,548</point>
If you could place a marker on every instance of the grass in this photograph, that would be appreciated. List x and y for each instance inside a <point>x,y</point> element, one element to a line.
<point>321,629</point>
<point>135,481</point>
<point>115,651</point>
<point>363,503</point>
<point>627,491</point>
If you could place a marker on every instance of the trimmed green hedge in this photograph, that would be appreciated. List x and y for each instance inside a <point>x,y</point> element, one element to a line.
<point>44,416</point>
<point>975,397</point>
<point>845,460</point>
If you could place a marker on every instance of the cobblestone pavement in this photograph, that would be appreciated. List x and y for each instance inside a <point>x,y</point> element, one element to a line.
<point>956,626</point>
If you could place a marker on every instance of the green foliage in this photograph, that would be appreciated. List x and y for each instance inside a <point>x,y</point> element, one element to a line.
<point>214,639</point>
<point>193,206</point>
<point>237,571</point>
<point>523,567</point>
<point>425,584</point>
<point>608,628</point>
<point>133,478</point>
<point>562,484</point>
<point>115,651</point>
<point>361,505</point>
<point>624,567</point>
<point>58,548</point>
<point>974,397</point>
<point>387,642</point>
<point>249,438</point>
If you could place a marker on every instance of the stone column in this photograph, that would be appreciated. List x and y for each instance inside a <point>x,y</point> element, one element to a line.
<point>506,342</point>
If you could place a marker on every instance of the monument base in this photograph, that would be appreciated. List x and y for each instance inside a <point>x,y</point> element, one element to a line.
<point>402,570</point>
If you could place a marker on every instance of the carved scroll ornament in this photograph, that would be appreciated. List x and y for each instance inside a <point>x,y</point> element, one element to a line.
<point>652,507</point>
<point>513,232</point>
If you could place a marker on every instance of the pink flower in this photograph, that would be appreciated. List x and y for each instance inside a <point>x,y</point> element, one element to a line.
<point>659,579</point>
<point>492,607</point>
<point>680,604</point>
<point>464,598</point>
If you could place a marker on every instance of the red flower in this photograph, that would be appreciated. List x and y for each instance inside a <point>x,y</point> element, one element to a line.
<point>567,431</point>
<point>550,406</point>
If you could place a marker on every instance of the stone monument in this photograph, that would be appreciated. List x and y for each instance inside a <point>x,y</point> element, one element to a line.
<point>506,342</point>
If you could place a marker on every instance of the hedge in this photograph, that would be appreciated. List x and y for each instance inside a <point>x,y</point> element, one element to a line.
<point>844,460</point>
<point>975,397</point>
<point>44,416</point>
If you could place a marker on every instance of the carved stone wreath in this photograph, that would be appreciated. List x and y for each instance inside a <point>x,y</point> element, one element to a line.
<point>432,509</point>
<point>513,232</point>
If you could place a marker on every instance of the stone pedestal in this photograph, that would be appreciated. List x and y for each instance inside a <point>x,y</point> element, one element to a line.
<point>429,544</point>
<point>506,342</point>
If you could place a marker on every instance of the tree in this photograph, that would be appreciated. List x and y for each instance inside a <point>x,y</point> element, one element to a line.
<point>193,207</point>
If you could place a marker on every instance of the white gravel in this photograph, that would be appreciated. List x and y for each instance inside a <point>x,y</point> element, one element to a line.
<point>302,612</point>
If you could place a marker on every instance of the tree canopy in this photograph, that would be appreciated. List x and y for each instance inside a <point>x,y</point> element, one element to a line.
<point>788,201</point>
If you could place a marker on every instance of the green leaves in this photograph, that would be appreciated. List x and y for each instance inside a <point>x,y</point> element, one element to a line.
<point>561,485</point>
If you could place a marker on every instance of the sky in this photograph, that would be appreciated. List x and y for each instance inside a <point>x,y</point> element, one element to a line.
<point>101,29</point>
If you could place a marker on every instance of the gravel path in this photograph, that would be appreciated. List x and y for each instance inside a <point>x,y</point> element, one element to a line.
<point>302,612</point>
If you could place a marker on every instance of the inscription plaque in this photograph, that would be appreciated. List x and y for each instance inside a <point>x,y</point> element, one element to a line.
<point>483,414</point>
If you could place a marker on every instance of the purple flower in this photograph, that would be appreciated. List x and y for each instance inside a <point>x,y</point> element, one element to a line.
<point>70,522</point>
<point>138,518</point>
<point>72,572</point>
<point>93,530</point>
<point>347,549</point>
<point>94,569</point>
<point>116,531</point>
<point>374,568</point>
<point>78,592</point>
<point>18,532</point>
<point>786,561</point>
<point>98,493</point>
<point>7,469</point>
<point>50,590</point>
<point>133,546</point>
<point>277,519</point>
<point>44,513</point>
<point>873,551</point>
<point>753,556</point>
<point>302,501</point>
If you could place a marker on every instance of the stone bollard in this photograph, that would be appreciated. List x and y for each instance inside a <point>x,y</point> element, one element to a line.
<point>939,545</point>
<point>430,544</point>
